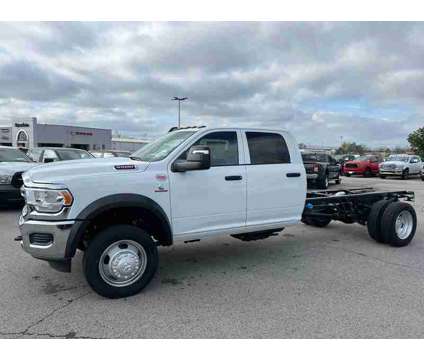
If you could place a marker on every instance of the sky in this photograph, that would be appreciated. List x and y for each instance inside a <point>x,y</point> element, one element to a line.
<point>324,82</point>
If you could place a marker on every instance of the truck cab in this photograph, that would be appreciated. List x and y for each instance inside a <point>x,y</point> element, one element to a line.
<point>189,184</point>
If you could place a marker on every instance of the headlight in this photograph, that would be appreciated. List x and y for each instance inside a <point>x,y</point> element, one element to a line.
<point>48,200</point>
<point>5,179</point>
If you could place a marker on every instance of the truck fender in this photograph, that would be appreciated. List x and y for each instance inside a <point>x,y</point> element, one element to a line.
<point>113,202</point>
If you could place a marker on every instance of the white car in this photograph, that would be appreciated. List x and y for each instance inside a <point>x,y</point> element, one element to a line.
<point>189,185</point>
<point>402,165</point>
<point>13,162</point>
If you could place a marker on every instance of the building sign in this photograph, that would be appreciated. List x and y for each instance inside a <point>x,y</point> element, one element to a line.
<point>81,133</point>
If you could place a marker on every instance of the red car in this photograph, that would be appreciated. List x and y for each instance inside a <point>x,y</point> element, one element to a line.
<point>366,166</point>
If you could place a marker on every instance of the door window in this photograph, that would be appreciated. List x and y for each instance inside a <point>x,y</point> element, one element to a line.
<point>50,154</point>
<point>267,148</point>
<point>223,145</point>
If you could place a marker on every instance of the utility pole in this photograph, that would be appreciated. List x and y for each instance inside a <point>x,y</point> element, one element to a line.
<point>179,108</point>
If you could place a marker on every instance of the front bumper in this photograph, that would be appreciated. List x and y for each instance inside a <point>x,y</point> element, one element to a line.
<point>395,172</point>
<point>58,231</point>
<point>353,171</point>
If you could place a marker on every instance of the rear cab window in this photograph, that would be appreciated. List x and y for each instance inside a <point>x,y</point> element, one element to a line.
<point>267,148</point>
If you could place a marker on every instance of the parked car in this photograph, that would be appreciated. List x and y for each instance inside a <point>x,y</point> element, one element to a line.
<point>111,153</point>
<point>402,165</point>
<point>321,168</point>
<point>13,162</point>
<point>342,159</point>
<point>366,165</point>
<point>186,186</point>
<point>51,154</point>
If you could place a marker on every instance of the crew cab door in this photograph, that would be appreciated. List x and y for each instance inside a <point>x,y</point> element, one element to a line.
<point>276,180</point>
<point>210,200</point>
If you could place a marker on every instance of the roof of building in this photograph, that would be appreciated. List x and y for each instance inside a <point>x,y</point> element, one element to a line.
<point>129,140</point>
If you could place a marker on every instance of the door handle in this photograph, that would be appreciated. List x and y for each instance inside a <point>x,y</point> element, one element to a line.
<point>233,177</point>
<point>293,174</point>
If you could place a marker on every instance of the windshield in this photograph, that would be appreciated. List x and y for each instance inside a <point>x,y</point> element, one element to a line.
<point>398,158</point>
<point>363,158</point>
<point>314,157</point>
<point>162,147</point>
<point>73,154</point>
<point>12,155</point>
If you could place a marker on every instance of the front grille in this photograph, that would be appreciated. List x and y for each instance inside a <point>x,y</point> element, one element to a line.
<point>351,166</point>
<point>389,166</point>
<point>41,239</point>
<point>17,181</point>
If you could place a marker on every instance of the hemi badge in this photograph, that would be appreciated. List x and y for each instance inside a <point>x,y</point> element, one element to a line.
<point>124,167</point>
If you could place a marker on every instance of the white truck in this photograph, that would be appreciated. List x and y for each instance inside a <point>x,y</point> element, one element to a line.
<point>191,184</point>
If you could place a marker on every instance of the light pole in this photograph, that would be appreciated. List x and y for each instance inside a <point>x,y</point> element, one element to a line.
<point>179,108</point>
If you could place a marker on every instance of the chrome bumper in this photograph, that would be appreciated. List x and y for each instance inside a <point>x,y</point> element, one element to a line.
<point>391,172</point>
<point>59,230</point>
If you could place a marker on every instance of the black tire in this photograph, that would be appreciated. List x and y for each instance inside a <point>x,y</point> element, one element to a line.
<point>316,221</point>
<point>367,173</point>
<point>322,182</point>
<point>388,224</point>
<point>338,181</point>
<point>422,177</point>
<point>347,174</point>
<point>382,176</point>
<point>101,242</point>
<point>374,220</point>
<point>405,174</point>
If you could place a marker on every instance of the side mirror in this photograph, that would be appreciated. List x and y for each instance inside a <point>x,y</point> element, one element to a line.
<point>198,158</point>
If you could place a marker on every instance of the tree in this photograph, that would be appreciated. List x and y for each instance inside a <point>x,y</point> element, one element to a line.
<point>416,139</point>
<point>351,148</point>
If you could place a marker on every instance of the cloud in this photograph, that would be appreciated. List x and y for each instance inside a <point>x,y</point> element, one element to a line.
<point>322,81</point>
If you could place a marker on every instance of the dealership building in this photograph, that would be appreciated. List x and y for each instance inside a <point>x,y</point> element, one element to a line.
<point>28,133</point>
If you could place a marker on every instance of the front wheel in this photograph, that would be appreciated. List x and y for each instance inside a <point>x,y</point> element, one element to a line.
<point>405,174</point>
<point>367,173</point>
<point>120,261</point>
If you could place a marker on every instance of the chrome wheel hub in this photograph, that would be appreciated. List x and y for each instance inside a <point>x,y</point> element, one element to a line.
<point>123,263</point>
<point>404,224</point>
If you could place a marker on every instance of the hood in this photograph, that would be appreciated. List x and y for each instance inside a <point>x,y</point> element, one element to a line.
<point>394,163</point>
<point>10,168</point>
<point>356,161</point>
<point>59,172</point>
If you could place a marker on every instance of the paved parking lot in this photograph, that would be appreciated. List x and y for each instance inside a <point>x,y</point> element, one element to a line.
<point>307,282</point>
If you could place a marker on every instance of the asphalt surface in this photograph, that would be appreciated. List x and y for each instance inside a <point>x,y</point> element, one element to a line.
<point>307,282</point>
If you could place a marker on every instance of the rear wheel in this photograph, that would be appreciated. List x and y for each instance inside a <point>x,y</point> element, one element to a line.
<point>120,261</point>
<point>322,183</point>
<point>374,220</point>
<point>398,224</point>
<point>382,176</point>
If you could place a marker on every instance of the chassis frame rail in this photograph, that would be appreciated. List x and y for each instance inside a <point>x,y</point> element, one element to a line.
<point>349,205</point>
